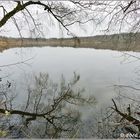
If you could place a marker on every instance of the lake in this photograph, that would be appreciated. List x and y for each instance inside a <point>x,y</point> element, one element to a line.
<point>99,70</point>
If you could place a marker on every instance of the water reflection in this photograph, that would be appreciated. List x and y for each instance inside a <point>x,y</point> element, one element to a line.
<point>99,69</point>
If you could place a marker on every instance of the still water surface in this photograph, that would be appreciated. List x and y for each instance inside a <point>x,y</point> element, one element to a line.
<point>99,69</point>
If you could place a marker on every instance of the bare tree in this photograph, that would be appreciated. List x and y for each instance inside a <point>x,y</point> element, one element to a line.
<point>65,13</point>
<point>48,111</point>
<point>57,118</point>
<point>121,16</point>
<point>121,120</point>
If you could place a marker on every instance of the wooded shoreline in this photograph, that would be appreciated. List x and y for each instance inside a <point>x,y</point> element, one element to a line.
<point>120,42</point>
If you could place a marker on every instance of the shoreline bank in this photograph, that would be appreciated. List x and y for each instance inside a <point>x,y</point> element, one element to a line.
<point>119,42</point>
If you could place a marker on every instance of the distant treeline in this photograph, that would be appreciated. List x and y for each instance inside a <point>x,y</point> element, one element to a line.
<point>122,42</point>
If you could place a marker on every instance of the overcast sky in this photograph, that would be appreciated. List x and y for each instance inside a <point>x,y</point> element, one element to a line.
<point>48,27</point>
